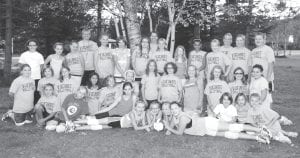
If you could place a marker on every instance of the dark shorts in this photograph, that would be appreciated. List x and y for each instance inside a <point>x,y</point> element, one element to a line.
<point>271,86</point>
<point>37,95</point>
<point>21,117</point>
<point>116,124</point>
<point>102,115</point>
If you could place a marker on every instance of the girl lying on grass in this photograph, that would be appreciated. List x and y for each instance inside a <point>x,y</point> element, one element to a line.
<point>136,119</point>
<point>200,126</point>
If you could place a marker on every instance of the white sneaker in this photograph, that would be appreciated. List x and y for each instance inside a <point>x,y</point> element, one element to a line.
<point>285,121</point>
<point>28,121</point>
<point>20,124</point>
<point>8,114</point>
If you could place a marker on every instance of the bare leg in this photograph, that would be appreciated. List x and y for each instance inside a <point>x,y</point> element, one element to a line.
<point>224,126</point>
<point>237,136</point>
<point>93,127</point>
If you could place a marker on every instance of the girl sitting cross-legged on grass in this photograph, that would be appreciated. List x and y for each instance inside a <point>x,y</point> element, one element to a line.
<point>47,107</point>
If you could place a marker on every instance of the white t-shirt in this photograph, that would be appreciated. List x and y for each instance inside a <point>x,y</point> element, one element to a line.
<point>257,86</point>
<point>151,86</point>
<point>34,60</point>
<point>263,56</point>
<point>226,50</point>
<point>226,114</point>
<point>196,58</point>
<point>122,57</point>
<point>161,58</point>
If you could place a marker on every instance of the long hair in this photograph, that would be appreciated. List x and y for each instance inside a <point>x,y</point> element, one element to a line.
<point>212,77</point>
<point>89,82</point>
<point>155,65</point>
<point>44,69</point>
<point>176,53</point>
<point>61,78</point>
<point>244,78</point>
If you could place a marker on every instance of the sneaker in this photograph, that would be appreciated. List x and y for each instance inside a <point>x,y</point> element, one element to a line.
<point>70,127</point>
<point>265,131</point>
<point>261,139</point>
<point>8,114</point>
<point>292,134</point>
<point>20,124</point>
<point>285,121</point>
<point>28,121</point>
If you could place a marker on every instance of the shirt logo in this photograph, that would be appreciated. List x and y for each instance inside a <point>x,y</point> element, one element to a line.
<point>72,109</point>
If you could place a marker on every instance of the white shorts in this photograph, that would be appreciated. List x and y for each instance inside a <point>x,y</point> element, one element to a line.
<point>211,125</point>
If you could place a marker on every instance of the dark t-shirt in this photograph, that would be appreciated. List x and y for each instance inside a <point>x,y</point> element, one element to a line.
<point>75,107</point>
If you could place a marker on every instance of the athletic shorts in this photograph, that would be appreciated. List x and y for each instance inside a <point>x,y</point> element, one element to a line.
<point>211,125</point>
<point>21,117</point>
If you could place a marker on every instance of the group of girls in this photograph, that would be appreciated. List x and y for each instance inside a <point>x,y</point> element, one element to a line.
<point>93,87</point>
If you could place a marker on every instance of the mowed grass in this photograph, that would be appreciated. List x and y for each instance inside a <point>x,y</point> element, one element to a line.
<point>30,141</point>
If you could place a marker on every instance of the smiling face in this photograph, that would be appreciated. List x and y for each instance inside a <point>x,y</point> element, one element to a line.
<point>161,44</point>
<point>94,80</point>
<point>140,107</point>
<point>129,77</point>
<point>240,42</point>
<point>154,108</point>
<point>65,73</point>
<point>48,73</point>
<point>217,73</point>
<point>180,52</point>
<point>110,82</point>
<point>153,37</point>
<point>215,46</point>
<point>151,67</point>
<point>74,47</point>
<point>175,109</point>
<point>259,40</point>
<point>241,101</point>
<point>226,101</point>
<point>59,49</point>
<point>32,46</point>
<point>48,91</point>
<point>26,71</point>
<point>256,73</point>
<point>239,74</point>
<point>255,102</point>
<point>197,45</point>
<point>227,40</point>
<point>145,43</point>
<point>170,69</point>
<point>80,93</point>
<point>127,90</point>
<point>104,40</point>
<point>86,35</point>
<point>191,71</point>
<point>166,109</point>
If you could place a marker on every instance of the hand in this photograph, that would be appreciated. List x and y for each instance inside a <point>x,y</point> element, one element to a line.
<point>168,133</point>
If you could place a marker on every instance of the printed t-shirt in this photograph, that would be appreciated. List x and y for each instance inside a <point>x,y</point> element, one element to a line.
<point>263,56</point>
<point>68,86</point>
<point>75,107</point>
<point>213,59</point>
<point>104,62</point>
<point>236,88</point>
<point>34,60</point>
<point>170,88</point>
<point>257,86</point>
<point>240,57</point>
<point>74,63</point>
<point>161,58</point>
<point>108,96</point>
<point>93,97</point>
<point>42,82</point>
<point>23,89</point>
<point>214,91</point>
<point>87,49</point>
<point>51,104</point>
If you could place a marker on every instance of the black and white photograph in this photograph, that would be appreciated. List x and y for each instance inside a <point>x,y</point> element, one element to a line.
<point>149,78</point>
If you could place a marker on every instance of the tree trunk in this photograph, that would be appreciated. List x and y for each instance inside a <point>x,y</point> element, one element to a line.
<point>132,23</point>
<point>173,33</point>
<point>99,9</point>
<point>117,27</point>
<point>8,45</point>
<point>248,29</point>
<point>149,15</point>
<point>197,31</point>
<point>123,28</point>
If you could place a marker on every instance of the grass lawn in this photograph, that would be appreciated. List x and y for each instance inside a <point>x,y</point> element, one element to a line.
<point>30,141</point>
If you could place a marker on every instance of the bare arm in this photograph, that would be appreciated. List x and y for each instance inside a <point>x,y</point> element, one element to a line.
<point>270,71</point>
<point>114,104</point>
<point>47,61</point>
<point>135,126</point>
<point>182,126</point>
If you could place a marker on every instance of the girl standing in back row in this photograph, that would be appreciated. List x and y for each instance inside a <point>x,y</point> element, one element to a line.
<point>56,60</point>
